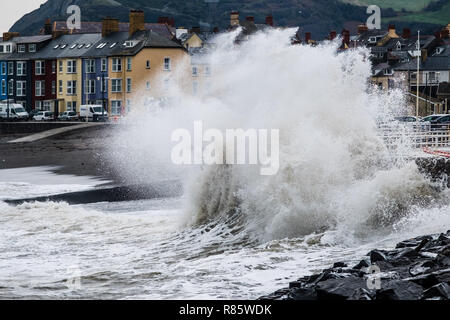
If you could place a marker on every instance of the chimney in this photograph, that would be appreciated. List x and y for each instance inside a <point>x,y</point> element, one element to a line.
<point>362,28</point>
<point>137,21</point>
<point>346,37</point>
<point>250,18</point>
<point>234,18</point>
<point>406,33</point>
<point>444,34</point>
<point>424,55</point>
<point>391,31</point>
<point>437,35</point>
<point>167,20</point>
<point>333,35</point>
<point>269,20</point>
<point>109,26</point>
<point>195,30</point>
<point>307,37</point>
<point>9,35</point>
<point>48,27</point>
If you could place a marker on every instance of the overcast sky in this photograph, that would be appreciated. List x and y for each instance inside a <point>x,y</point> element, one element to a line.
<point>13,10</point>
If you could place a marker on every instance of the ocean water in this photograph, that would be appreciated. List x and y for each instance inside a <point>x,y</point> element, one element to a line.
<point>339,192</point>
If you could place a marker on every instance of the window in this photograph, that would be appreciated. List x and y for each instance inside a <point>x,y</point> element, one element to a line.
<point>11,87</point>
<point>21,48</point>
<point>116,85</point>
<point>73,46</point>
<point>81,46</point>
<point>21,88</point>
<point>166,84</point>
<point>47,105</point>
<point>147,64</point>
<point>104,85</point>
<point>432,76</point>
<point>147,85</point>
<point>116,65</point>
<point>71,106</point>
<point>21,68</point>
<point>113,45</point>
<point>128,85</point>
<point>194,71</point>
<point>60,66</point>
<point>89,86</point>
<point>71,87</point>
<point>1,49</point>
<point>40,67</point>
<point>116,107</point>
<point>53,87</point>
<point>32,47</point>
<point>128,64</point>
<point>56,47</point>
<point>71,66</point>
<point>104,65</point>
<point>90,66</point>
<point>53,66</point>
<point>195,88</point>
<point>3,68</point>
<point>167,64</point>
<point>10,68</point>
<point>40,88</point>
<point>3,86</point>
<point>60,87</point>
<point>208,70</point>
<point>38,105</point>
<point>101,45</point>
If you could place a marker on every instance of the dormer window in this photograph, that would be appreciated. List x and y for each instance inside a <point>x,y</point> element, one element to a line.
<point>101,45</point>
<point>80,46</point>
<point>56,47</point>
<point>130,44</point>
<point>88,45</point>
<point>113,45</point>
<point>63,46</point>
<point>73,46</point>
<point>399,46</point>
<point>373,39</point>
<point>21,48</point>
<point>32,47</point>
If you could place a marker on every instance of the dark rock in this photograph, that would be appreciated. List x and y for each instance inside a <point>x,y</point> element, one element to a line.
<point>365,263</point>
<point>339,289</point>
<point>417,269</point>
<point>361,294</point>
<point>377,255</point>
<point>339,265</point>
<point>441,291</point>
<point>303,294</point>
<point>399,290</point>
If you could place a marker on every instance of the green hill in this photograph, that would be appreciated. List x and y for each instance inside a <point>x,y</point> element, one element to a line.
<point>316,16</point>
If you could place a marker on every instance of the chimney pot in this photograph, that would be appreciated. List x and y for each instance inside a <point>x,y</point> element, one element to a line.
<point>234,18</point>
<point>269,20</point>
<point>137,21</point>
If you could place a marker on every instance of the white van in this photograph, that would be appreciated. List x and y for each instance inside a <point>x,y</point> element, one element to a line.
<point>93,112</point>
<point>16,112</point>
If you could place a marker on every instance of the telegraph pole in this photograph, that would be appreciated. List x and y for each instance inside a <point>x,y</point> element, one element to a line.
<point>418,75</point>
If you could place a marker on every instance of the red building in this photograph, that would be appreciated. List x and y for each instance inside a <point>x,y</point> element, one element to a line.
<point>43,83</point>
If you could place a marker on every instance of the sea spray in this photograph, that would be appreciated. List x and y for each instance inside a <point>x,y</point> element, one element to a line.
<point>335,170</point>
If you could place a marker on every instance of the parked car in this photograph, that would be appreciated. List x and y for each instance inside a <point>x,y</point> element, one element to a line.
<point>432,117</point>
<point>415,123</point>
<point>43,116</point>
<point>32,113</point>
<point>68,116</point>
<point>94,112</point>
<point>16,112</point>
<point>441,123</point>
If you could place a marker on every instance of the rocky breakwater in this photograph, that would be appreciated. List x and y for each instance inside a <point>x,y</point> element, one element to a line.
<point>417,269</point>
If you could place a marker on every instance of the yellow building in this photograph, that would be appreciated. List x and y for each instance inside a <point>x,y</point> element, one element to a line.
<point>145,68</point>
<point>69,84</point>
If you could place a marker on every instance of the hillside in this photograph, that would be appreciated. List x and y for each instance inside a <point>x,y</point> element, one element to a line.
<point>316,16</point>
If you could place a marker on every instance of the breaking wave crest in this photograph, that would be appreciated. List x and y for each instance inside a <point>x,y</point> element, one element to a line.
<point>335,171</point>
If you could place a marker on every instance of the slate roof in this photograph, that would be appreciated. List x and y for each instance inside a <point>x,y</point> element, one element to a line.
<point>431,63</point>
<point>444,89</point>
<point>31,39</point>
<point>96,27</point>
<point>68,46</point>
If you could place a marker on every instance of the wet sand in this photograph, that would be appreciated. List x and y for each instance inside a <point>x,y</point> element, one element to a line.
<point>79,152</point>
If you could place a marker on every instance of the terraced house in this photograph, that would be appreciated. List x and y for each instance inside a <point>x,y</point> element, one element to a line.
<point>142,68</point>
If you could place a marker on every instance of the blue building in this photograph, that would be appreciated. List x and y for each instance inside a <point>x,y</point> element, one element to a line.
<point>95,68</point>
<point>3,79</point>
